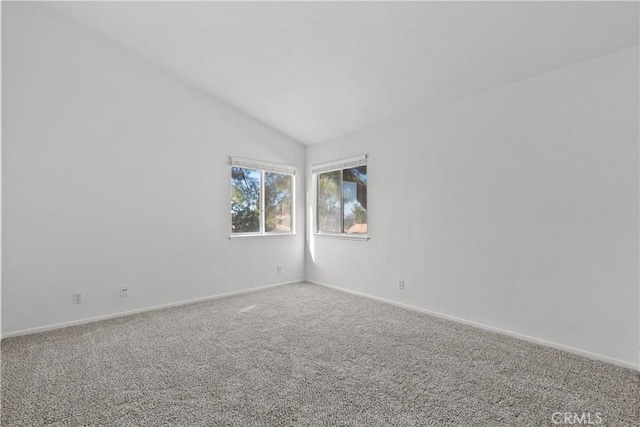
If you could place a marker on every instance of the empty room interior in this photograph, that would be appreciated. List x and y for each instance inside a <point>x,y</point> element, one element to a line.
<point>187,237</point>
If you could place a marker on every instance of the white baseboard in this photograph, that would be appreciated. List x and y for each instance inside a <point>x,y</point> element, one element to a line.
<point>140,310</point>
<point>577,351</point>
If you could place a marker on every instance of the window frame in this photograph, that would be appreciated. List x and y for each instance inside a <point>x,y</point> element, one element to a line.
<point>263,167</point>
<point>339,165</point>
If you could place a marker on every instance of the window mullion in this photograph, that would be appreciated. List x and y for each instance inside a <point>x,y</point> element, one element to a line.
<point>318,203</point>
<point>342,201</point>
<point>262,197</point>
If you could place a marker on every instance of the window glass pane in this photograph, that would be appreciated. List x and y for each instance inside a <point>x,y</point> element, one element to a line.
<point>245,200</point>
<point>354,196</point>
<point>329,202</point>
<point>277,202</point>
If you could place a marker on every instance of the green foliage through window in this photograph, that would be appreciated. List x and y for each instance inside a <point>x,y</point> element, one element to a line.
<point>277,206</point>
<point>342,201</point>
<point>245,200</point>
<point>254,191</point>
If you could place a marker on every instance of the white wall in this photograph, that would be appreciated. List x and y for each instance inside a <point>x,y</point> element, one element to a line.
<point>116,174</point>
<point>516,209</point>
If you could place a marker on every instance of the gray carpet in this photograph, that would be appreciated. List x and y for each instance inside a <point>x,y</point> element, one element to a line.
<point>300,355</point>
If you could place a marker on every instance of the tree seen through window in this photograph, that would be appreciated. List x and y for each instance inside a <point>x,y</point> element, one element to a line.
<point>342,201</point>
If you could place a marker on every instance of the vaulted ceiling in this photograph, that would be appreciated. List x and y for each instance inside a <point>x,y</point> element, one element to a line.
<point>318,70</point>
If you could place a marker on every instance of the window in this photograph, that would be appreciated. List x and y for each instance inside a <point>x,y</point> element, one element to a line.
<point>261,198</point>
<point>341,197</point>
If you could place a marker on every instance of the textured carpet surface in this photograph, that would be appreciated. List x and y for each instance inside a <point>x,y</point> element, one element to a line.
<point>302,355</point>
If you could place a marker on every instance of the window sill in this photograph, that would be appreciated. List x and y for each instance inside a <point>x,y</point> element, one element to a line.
<point>244,236</point>
<point>358,237</point>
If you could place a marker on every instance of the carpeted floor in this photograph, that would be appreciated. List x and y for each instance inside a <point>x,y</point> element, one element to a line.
<point>301,355</point>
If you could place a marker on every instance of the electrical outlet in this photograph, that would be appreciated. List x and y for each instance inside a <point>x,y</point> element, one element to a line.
<point>401,284</point>
<point>77,298</point>
<point>124,291</point>
<point>279,269</point>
